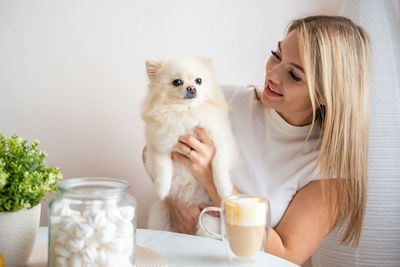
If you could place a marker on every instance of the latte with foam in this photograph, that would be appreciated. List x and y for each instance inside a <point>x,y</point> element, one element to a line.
<point>245,220</point>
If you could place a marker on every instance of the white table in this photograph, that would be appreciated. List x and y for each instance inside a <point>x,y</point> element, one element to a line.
<point>187,250</point>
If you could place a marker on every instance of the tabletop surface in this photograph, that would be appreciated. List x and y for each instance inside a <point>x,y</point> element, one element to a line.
<point>187,250</point>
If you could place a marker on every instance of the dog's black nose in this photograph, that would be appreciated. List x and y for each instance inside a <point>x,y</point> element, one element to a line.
<point>191,89</point>
<point>190,92</point>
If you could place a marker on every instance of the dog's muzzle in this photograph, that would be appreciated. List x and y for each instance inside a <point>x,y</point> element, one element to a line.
<point>190,92</point>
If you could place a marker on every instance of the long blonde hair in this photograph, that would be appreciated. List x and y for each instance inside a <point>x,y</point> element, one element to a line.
<point>336,56</point>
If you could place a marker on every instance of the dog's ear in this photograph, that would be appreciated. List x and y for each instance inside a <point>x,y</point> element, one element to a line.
<point>208,61</point>
<point>152,67</point>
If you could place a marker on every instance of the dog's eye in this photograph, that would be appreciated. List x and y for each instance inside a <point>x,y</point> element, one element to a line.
<point>177,82</point>
<point>198,81</point>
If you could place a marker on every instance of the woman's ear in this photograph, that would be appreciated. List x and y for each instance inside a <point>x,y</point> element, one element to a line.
<point>152,68</point>
<point>320,98</point>
<point>321,101</point>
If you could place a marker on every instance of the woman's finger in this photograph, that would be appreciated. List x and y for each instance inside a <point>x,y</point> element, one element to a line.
<point>186,151</point>
<point>211,213</point>
<point>182,148</point>
<point>186,161</point>
<point>191,141</point>
<point>203,136</point>
<point>202,206</point>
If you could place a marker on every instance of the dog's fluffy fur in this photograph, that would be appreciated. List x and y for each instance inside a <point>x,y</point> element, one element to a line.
<point>168,113</point>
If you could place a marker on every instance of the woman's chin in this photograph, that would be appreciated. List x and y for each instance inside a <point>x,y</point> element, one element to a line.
<point>268,102</point>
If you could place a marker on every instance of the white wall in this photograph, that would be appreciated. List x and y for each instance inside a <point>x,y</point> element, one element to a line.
<point>72,72</point>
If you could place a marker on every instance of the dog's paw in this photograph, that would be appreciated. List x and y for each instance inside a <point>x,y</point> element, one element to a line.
<point>162,191</point>
<point>225,189</point>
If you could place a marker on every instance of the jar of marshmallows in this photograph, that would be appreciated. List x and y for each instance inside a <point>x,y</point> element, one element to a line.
<point>92,222</point>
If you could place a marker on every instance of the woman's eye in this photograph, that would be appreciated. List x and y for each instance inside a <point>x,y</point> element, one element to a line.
<point>275,54</point>
<point>294,77</point>
<point>198,81</point>
<point>177,82</point>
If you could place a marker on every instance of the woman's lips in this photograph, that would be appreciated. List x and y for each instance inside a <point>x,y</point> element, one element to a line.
<point>268,91</point>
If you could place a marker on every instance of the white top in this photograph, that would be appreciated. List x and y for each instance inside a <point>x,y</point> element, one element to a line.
<point>272,163</point>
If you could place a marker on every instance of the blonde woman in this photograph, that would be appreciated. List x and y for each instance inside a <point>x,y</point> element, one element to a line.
<point>302,138</point>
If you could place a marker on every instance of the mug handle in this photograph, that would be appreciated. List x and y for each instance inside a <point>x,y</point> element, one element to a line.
<point>204,227</point>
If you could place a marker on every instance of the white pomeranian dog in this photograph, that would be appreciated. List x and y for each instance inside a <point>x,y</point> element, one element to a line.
<point>183,93</point>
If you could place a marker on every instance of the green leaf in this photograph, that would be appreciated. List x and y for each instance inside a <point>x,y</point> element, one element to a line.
<point>24,178</point>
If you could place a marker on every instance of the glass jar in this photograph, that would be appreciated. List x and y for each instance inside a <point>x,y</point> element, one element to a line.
<point>92,222</point>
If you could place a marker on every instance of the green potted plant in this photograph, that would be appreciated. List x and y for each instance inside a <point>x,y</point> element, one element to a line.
<point>24,183</point>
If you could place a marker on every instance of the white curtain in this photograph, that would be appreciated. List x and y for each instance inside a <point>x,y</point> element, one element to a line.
<point>380,239</point>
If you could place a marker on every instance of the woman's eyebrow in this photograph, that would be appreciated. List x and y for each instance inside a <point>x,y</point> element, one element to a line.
<point>291,63</point>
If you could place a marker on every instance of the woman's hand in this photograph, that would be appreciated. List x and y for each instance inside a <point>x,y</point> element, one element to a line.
<point>196,154</point>
<point>184,218</point>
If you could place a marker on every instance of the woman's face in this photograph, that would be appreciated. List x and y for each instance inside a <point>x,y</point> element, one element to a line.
<point>285,88</point>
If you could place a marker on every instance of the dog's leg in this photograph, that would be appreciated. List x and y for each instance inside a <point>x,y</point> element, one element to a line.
<point>221,174</point>
<point>223,159</point>
<point>160,167</point>
<point>163,164</point>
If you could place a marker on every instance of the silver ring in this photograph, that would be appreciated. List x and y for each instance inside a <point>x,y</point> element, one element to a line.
<point>188,152</point>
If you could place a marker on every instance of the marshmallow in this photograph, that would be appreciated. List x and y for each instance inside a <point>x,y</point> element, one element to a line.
<point>60,250</point>
<point>103,256</point>
<point>69,223</point>
<point>75,245</point>
<point>114,247</point>
<point>93,242</point>
<point>114,215</point>
<point>97,218</point>
<point>61,207</point>
<point>89,254</point>
<point>83,230</point>
<point>106,233</point>
<point>75,261</point>
<point>127,213</point>
<point>55,220</point>
<point>61,262</point>
<point>124,228</point>
<point>127,245</point>
<point>61,237</point>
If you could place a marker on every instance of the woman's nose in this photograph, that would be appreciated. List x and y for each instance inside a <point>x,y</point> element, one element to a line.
<point>274,74</point>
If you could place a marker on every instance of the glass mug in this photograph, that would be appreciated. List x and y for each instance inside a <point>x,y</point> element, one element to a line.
<point>245,221</point>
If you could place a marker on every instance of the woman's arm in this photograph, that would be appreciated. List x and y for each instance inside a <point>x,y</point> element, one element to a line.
<point>305,223</point>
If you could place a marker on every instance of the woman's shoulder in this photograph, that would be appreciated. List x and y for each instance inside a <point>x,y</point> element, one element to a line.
<point>245,109</point>
<point>235,93</point>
